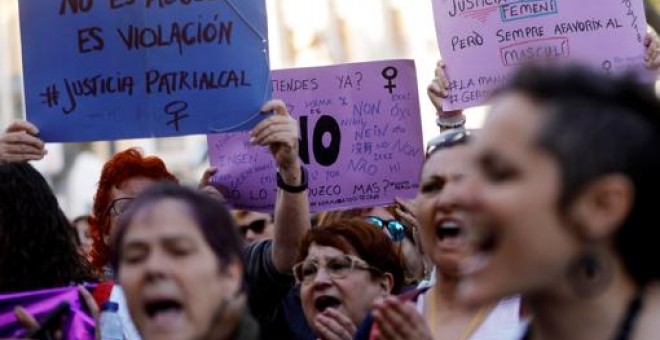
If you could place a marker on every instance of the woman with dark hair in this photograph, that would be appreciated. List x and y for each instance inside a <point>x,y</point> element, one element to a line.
<point>179,258</point>
<point>436,312</point>
<point>37,243</point>
<point>564,204</point>
<point>344,267</point>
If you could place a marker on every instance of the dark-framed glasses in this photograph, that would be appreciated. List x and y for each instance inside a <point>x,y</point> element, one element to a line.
<point>336,267</point>
<point>447,139</point>
<point>119,205</point>
<point>394,228</point>
<point>256,226</point>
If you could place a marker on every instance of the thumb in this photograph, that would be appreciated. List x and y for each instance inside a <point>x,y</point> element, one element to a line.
<point>25,319</point>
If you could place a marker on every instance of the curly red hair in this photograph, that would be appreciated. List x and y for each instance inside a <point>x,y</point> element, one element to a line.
<point>121,167</point>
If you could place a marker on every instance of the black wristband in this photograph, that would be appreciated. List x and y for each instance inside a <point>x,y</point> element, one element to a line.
<point>294,189</point>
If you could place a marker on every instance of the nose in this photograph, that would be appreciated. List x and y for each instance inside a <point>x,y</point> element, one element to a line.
<point>250,235</point>
<point>469,192</point>
<point>155,266</point>
<point>322,278</point>
<point>449,199</point>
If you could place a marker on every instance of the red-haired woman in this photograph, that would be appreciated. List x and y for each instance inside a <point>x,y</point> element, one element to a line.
<point>123,177</point>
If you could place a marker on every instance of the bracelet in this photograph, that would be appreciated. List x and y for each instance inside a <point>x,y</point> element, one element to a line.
<point>448,125</point>
<point>291,188</point>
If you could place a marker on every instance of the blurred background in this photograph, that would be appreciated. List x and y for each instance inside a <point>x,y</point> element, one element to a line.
<point>302,33</point>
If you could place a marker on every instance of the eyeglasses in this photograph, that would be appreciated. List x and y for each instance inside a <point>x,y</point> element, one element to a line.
<point>118,206</point>
<point>394,228</point>
<point>257,227</point>
<point>448,139</point>
<point>337,267</point>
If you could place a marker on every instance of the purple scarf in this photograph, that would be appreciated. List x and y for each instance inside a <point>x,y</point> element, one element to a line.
<point>78,324</point>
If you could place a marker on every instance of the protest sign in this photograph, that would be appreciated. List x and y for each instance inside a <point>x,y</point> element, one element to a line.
<point>360,138</point>
<point>117,69</point>
<point>78,324</point>
<point>483,41</point>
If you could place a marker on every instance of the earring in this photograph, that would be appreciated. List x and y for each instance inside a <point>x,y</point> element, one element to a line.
<point>591,273</point>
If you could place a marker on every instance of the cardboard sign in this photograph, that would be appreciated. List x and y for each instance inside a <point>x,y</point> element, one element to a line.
<point>104,70</point>
<point>361,138</point>
<point>483,41</point>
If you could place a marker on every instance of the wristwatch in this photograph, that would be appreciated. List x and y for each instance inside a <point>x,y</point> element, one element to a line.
<point>294,188</point>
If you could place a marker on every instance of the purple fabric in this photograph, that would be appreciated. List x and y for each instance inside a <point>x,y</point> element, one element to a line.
<point>78,325</point>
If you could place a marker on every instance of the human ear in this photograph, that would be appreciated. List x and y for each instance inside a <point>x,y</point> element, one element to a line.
<point>386,282</point>
<point>602,207</point>
<point>233,272</point>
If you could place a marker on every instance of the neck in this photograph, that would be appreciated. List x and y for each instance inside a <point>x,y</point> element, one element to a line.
<point>445,292</point>
<point>561,314</point>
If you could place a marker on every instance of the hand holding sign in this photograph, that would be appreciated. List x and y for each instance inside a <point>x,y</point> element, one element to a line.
<point>483,42</point>
<point>438,91</point>
<point>652,57</point>
<point>358,142</point>
<point>280,133</point>
<point>19,143</point>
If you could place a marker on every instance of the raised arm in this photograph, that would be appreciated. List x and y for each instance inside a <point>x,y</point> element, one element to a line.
<point>292,218</point>
<point>437,92</point>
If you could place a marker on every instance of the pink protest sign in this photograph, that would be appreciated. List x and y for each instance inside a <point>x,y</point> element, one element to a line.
<point>361,138</point>
<point>483,41</point>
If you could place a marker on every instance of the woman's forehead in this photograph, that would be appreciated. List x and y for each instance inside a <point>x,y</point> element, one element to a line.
<point>165,216</point>
<point>513,120</point>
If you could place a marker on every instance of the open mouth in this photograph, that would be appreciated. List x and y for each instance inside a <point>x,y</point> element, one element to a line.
<point>156,308</point>
<point>485,241</point>
<point>448,230</point>
<point>326,301</point>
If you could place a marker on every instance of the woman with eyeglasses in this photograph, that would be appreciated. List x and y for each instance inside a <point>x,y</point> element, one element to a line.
<point>344,266</point>
<point>123,177</point>
<point>436,312</point>
<point>398,222</point>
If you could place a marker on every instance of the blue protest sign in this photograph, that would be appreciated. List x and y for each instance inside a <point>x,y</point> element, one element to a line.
<point>104,70</point>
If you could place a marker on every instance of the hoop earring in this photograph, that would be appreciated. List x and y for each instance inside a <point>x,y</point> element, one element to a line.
<point>590,274</point>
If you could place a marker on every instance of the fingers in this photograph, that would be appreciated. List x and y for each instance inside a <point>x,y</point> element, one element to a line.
<point>439,87</point>
<point>206,177</point>
<point>441,76</point>
<point>22,138</point>
<point>281,137</point>
<point>406,211</point>
<point>89,302</point>
<point>652,56</point>
<point>405,205</point>
<point>436,95</point>
<point>23,125</point>
<point>276,105</point>
<point>399,320</point>
<point>25,319</point>
<point>214,193</point>
<point>268,125</point>
<point>18,143</point>
<point>332,325</point>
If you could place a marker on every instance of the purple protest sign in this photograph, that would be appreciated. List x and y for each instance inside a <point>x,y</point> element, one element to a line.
<point>78,324</point>
<point>361,138</point>
<point>483,41</point>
